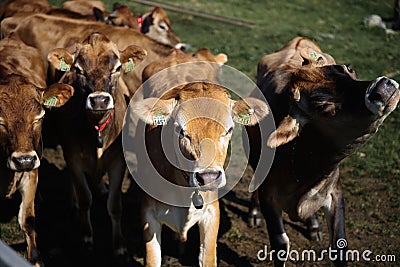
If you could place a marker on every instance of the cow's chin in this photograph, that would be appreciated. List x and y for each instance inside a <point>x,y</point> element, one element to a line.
<point>212,186</point>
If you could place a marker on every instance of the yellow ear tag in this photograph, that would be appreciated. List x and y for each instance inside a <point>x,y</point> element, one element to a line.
<point>159,119</point>
<point>51,101</point>
<point>314,55</point>
<point>63,65</point>
<point>130,65</point>
<point>243,118</point>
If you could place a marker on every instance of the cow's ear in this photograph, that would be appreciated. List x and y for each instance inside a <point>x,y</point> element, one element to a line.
<point>61,59</point>
<point>287,130</point>
<point>221,58</point>
<point>154,111</point>
<point>57,95</point>
<point>249,111</point>
<point>131,56</point>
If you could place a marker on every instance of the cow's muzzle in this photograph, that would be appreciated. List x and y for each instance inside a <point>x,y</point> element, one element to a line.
<point>99,101</point>
<point>21,162</point>
<point>382,96</point>
<point>209,179</point>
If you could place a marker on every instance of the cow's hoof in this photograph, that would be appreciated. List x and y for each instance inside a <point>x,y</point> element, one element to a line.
<point>254,218</point>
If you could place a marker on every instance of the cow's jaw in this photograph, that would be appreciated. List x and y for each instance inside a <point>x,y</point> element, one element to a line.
<point>382,96</point>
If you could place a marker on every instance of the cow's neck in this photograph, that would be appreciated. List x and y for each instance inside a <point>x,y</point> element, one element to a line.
<point>314,157</point>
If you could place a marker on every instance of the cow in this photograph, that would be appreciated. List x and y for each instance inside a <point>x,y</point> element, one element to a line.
<point>154,24</point>
<point>89,126</point>
<point>23,8</point>
<point>23,97</point>
<point>199,117</point>
<point>324,114</point>
<point>63,32</point>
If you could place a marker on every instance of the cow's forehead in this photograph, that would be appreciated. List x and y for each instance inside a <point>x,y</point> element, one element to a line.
<point>209,102</point>
<point>19,101</point>
<point>100,50</point>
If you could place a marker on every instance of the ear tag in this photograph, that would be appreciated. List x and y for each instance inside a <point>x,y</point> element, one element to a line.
<point>244,118</point>
<point>159,119</point>
<point>314,55</point>
<point>63,65</point>
<point>130,65</point>
<point>51,101</point>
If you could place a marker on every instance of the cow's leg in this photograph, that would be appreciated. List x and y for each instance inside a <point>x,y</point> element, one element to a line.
<point>208,228</point>
<point>314,228</point>
<point>26,215</point>
<point>279,241</point>
<point>254,216</point>
<point>334,214</point>
<point>152,238</point>
<point>114,207</point>
<point>84,198</point>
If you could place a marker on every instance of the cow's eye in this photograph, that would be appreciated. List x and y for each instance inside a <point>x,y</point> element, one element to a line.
<point>3,125</point>
<point>350,70</point>
<point>39,118</point>
<point>163,26</point>
<point>117,68</point>
<point>79,69</point>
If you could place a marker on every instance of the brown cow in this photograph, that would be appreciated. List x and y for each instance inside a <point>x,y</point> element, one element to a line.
<point>64,32</point>
<point>23,92</point>
<point>90,125</point>
<point>198,117</point>
<point>324,113</point>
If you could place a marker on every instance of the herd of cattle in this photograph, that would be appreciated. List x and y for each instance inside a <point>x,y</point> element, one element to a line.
<point>81,65</point>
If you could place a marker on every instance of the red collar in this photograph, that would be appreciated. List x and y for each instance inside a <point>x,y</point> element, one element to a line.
<point>140,22</point>
<point>104,125</point>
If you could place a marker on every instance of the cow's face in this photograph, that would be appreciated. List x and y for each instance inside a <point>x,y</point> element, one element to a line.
<point>157,26</point>
<point>21,116</point>
<point>122,16</point>
<point>94,69</point>
<point>202,119</point>
<point>331,100</point>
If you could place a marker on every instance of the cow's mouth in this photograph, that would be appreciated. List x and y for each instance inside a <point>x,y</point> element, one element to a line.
<point>382,96</point>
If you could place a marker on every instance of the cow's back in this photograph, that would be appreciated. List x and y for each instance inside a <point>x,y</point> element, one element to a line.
<point>18,58</point>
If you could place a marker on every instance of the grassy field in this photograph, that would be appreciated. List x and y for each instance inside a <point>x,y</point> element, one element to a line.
<point>371,176</point>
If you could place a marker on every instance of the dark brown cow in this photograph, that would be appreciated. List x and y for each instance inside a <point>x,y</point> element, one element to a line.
<point>324,113</point>
<point>23,92</point>
<point>90,125</point>
<point>201,117</point>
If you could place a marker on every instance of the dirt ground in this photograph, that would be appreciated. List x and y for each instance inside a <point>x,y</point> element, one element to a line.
<point>373,227</point>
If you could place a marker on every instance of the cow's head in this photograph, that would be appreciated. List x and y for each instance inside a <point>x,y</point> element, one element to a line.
<point>204,54</point>
<point>21,115</point>
<point>201,118</point>
<point>333,101</point>
<point>120,16</point>
<point>94,69</point>
<point>157,26</point>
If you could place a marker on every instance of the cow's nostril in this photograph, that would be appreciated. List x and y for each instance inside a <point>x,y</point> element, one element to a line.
<point>99,102</point>
<point>204,178</point>
<point>24,163</point>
